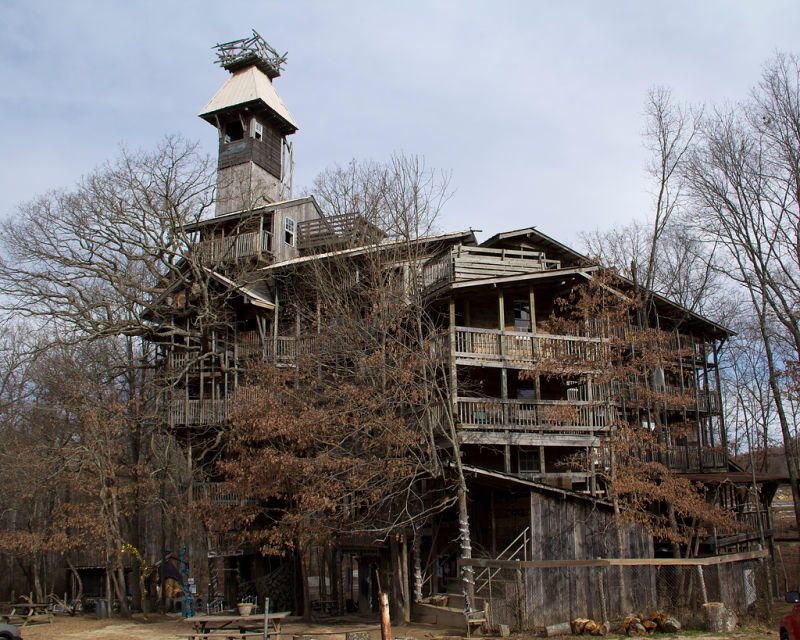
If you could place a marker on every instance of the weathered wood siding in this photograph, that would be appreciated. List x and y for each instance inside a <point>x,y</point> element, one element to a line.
<point>562,528</point>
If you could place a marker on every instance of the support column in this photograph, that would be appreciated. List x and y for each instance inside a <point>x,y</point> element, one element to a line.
<point>453,373</point>
<point>722,431</point>
<point>501,314</point>
<point>275,326</point>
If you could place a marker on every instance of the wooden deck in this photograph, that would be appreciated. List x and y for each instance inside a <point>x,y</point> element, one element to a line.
<point>235,247</point>
<point>463,263</point>
<point>220,493</point>
<point>522,349</point>
<point>331,232</point>
<point>551,416</point>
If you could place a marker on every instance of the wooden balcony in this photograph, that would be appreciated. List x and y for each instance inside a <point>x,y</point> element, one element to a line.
<point>672,397</point>
<point>688,459</point>
<point>544,416</point>
<point>190,413</point>
<point>520,349</point>
<point>281,349</point>
<point>463,263</point>
<point>220,493</point>
<point>332,232</point>
<point>236,247</point>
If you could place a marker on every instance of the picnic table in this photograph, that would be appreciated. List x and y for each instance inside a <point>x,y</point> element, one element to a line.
<point>25,613</point>
<point>234,626</point>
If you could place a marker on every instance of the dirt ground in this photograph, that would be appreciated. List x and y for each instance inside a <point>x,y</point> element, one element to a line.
<point>172,628</point>
<point>166,628</point>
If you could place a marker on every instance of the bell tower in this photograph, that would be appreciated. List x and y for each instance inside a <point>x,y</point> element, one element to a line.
<point>255,156</point>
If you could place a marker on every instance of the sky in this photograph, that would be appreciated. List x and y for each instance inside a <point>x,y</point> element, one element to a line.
<point>536,109</point>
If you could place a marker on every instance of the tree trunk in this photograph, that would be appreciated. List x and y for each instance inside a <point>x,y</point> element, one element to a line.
<point>774,383</point>
<point>405,580</point>
<point>467,573</point>
<point>302,560</point>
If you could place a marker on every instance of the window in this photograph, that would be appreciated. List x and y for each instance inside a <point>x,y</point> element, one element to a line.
<point>233,131</point>
<point>288,231</point>
<point>529,461</point>
<point>522,315</point>
<point>258,130</point>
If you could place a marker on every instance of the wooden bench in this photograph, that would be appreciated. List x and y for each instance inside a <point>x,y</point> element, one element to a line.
<point>24,614</point>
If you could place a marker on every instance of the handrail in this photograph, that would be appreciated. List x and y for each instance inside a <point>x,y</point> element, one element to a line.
<point>238,245</point>
<point>523,547</point>
<point>535,415</point>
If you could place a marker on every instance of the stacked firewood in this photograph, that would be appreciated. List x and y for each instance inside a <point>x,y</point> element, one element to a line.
<point>587,627</point>
<point>644,624</point>
<point>631,625</point>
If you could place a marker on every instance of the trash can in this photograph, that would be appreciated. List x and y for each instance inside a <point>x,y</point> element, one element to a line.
<point>102,608</point>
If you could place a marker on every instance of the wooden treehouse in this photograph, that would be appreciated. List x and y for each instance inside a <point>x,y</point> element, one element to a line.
<point>528,400</point>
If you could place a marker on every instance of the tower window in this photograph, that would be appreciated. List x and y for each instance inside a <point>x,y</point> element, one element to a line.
<point>288,231</point>
<point>233,131</point>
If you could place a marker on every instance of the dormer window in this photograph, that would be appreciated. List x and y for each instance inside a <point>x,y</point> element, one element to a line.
<point>288,231</point>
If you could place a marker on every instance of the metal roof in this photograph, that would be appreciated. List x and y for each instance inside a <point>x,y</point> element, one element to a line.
<point>467,236</point>
<point>248,85</point>
<point>234,215</point>
<point>541,487</point>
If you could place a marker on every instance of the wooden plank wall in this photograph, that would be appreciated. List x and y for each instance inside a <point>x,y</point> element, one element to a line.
<point>563,529</point>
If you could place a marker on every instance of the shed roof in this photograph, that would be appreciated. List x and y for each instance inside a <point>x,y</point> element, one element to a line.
<point>248,86</point>
<point>458,236</point>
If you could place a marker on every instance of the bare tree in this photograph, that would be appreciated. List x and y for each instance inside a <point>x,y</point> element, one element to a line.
<point>365,418</point>
<point>745,181</point>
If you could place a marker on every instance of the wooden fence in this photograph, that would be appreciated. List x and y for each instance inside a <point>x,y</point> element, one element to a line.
<point>532,594</point>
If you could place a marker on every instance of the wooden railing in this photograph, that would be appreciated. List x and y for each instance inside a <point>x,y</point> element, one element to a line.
<point>220,493</point>
<point>535,415</point>
<point>688,459</point>
<point>287,349</point>
<point>330,231</point>
<point>239,245</point>
<point>520,348</point>
<point>437,271</point>
<point>674,397</point>
<point>249,344</point>
<point>474,263</point>
<point>197,412</point>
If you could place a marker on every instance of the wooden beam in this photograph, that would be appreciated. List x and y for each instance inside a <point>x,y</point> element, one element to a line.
<point>500,438</point>
<point>485,563</point>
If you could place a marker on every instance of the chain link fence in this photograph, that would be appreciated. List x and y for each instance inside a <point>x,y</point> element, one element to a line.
<point>526,596</point>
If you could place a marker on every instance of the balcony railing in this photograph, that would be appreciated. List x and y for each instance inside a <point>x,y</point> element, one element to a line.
<point>220,493</point>
<point>535,415</point>
<point>197,412</point>
<point>463,263</point>
<point>332,231</point>
<point>519,349</point>
<point>234,247</point>
<point>672,397</point>
<point>688,459</point>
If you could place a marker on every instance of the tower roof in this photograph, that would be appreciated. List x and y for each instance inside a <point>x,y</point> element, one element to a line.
<point>249,87</point>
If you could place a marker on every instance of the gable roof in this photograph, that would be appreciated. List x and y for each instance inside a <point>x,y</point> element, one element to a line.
<point>559,250</point>
<point>248,86</point>
<point>550,245</point>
